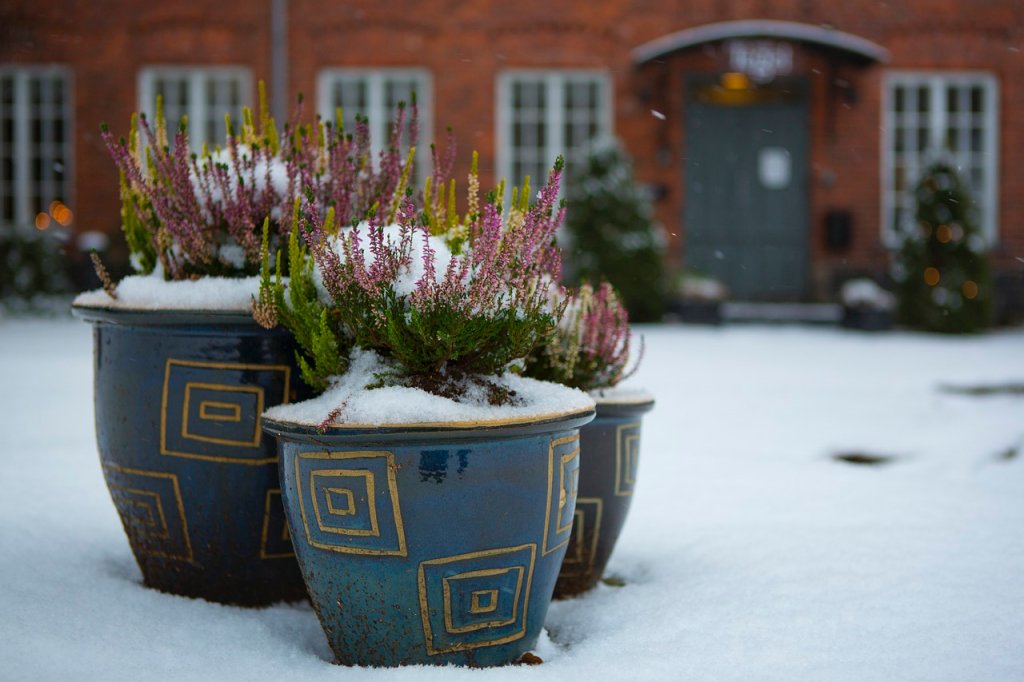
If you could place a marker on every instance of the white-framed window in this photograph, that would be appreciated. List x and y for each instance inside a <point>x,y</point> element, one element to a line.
<point>203,93</point>
<point>939,116</point>
<point>544,113</point>
<point>35,145</point>
<point>376,94</point>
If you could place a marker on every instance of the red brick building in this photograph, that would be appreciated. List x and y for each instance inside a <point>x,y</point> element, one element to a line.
<point>779,138</point>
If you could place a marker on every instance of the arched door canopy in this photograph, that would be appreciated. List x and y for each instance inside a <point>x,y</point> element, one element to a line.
<point>854,46</point>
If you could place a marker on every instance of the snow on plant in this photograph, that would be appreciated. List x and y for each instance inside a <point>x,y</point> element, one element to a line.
<point>443,319</point>
<point>590,349</point>
<point>201,214</point>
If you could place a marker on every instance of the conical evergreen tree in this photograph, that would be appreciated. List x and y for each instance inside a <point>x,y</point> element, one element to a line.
<point>943,279</point>
<point>612,233</point>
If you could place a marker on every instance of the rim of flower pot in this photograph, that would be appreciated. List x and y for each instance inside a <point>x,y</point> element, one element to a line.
<point>636,404</point>
<point>456,430</point>
<point>161,316</point>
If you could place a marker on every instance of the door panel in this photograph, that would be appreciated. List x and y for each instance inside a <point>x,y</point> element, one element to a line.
<point>746,197</point>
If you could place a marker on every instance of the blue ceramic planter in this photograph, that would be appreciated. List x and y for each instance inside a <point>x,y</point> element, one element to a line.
<point>425,545</point>
<point>610,458</point>
<point>178,398</point>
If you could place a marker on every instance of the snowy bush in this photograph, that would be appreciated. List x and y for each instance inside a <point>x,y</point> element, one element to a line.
<point>866,294</point>
<point>942,273</point>
<point>693,286</point>
<point>30,265</point>
<point>612,232</point>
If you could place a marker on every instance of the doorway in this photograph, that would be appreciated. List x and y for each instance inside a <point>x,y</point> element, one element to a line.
<point>746,214</point>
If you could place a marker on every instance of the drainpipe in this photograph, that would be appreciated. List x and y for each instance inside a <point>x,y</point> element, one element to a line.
<point>279,58</point>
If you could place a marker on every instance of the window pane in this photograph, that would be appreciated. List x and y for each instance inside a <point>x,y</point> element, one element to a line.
<point>223,96</point>
<point>977,140</point>
<point>962,135</point>
<point>398,91</point>
<point>174,92</point>
<point>35,127</point>
<point>952,100</point>
<point>581,117</point>
<point>899,100</point>
<point>529,130</point>
<point>977,100</point>
<point>351,95</point>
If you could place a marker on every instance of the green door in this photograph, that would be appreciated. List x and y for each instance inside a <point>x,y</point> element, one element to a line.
<point>746,194</point>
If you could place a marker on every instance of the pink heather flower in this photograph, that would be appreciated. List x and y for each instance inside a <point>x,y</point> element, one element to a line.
<point>591,348</point>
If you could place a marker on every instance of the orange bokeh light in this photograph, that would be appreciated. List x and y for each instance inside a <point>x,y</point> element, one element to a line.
<point>970,290</point>
<point>931,276</point>
<point>64,216</point>
<point>944,233</point>
<point>733,80</point>
<point>42,221</point>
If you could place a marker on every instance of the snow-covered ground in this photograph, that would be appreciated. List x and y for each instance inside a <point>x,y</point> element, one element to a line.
<point>751,553</point>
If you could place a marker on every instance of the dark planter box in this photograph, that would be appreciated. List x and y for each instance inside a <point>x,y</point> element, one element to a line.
<point>697,312</point>
<point>866,319</point>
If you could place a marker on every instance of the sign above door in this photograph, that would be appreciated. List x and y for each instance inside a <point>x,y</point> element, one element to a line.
<point>761,60</point>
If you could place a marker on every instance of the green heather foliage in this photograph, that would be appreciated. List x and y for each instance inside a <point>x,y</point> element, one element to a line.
<point>322,352</point>
<point>943,280</point>
<point>472,313</point>
<point>612,234</point>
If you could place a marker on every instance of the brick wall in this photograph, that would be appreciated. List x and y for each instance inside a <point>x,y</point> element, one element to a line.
<point>467,43</point>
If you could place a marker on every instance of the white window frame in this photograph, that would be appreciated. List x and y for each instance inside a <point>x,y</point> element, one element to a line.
<point>554,81</point>
<point>376,109</point>
<point>198,109</point>
<point>937,82</point>
<point>21,181</point>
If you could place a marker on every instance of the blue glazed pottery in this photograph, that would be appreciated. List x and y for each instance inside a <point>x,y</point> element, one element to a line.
<point>178,398</point>
<point>610,448</point>
<point>429,544</point>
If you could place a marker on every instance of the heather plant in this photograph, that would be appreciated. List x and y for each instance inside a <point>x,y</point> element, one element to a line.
<point>195,214</point>
<point>192,214</point>
<point>444,311</point>
<point>591,347</point>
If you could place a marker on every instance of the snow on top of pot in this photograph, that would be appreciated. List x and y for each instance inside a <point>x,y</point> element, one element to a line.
<point>866,293</point>
<point>153,292</point>
<point>349,403</point>
<point>622,394</point>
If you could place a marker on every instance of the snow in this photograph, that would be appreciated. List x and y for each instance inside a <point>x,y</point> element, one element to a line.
<point>152,292</point>
<point>866,293</point>
<point>408,276</point>
<point>750,552</point>
<point>401,405</point>
<point>628,392</point>
<point>274,168</point>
